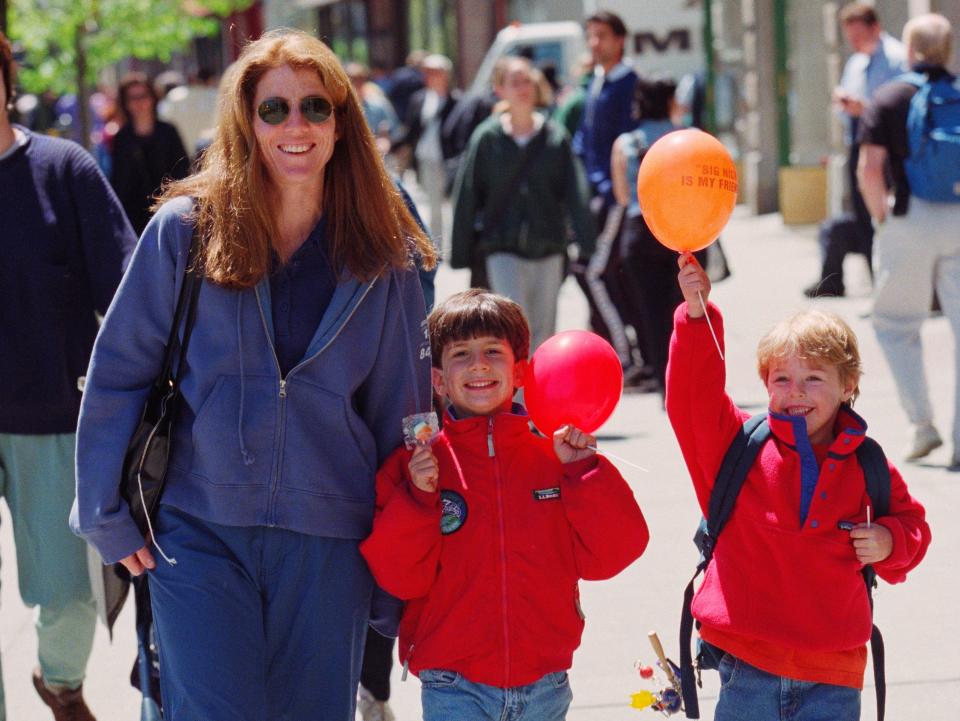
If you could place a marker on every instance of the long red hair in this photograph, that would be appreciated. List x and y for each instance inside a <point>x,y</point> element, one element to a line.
<point>368,224</point>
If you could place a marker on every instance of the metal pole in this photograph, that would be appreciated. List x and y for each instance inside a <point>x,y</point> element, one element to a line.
<point>710,74</point>
<point>781,49</point>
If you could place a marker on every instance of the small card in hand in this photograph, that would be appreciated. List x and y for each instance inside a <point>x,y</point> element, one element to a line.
<point>420,429</point>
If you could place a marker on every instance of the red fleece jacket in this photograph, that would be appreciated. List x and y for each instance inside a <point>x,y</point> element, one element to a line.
<point>771,579</point>
<point>494,595</point>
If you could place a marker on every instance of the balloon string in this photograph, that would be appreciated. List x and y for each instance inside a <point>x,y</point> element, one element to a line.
<point>618,458</point>
<point>709,324</point>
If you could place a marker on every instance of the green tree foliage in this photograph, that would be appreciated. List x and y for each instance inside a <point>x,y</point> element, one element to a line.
<point>66,38</point>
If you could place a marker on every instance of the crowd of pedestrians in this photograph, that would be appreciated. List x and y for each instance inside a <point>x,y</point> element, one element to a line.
<point>280,558</point>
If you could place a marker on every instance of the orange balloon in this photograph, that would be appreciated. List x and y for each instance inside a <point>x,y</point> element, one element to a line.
<point>687,187</point>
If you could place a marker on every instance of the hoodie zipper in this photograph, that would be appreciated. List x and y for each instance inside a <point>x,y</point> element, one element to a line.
<point>281,423</point>
<point>275,481</point>
<point>503,553</point>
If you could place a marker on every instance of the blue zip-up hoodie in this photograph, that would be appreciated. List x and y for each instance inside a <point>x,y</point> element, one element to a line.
<point>250,448</point>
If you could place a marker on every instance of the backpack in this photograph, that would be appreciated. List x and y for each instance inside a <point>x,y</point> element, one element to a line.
<point>733,471</point>
<point>933,138</point>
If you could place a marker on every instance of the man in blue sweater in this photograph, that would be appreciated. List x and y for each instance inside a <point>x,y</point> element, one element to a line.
<point>65,241</point>
<point>607,114</point>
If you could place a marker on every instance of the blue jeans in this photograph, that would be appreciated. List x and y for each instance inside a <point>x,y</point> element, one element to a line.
<point>749,694</point>
<point>448,696</point>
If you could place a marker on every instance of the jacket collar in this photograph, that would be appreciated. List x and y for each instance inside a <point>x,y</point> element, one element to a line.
<point>346,297</point>
<point>850,431</point>
<point>509,427</point>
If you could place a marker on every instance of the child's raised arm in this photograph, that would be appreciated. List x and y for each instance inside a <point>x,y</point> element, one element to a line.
<point>694,283</point>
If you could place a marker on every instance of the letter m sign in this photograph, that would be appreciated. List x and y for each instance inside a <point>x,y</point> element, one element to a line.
<point>678,39</point>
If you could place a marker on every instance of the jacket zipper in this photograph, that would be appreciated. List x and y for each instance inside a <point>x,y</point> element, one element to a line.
<point>406,663</point>
<point>503,554</point>
<point>275,483</point>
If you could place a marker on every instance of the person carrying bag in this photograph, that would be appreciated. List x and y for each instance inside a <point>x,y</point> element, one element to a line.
<point>525,221</point>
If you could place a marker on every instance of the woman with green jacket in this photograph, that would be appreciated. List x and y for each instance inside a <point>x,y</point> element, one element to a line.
<point>520,198</point>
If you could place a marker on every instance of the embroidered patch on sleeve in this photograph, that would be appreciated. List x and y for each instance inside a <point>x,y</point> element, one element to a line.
<point>546,494</point>
<point>453,512</point>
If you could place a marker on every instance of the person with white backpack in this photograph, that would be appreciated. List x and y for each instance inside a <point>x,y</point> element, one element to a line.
<point>911,129</point>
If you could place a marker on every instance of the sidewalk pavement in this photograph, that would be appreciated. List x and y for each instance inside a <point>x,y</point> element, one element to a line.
<point>771,264</point>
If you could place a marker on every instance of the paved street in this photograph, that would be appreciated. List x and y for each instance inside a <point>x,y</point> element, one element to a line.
<point>770,265</point>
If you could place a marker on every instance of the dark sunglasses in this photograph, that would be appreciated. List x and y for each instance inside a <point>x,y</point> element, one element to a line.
<point>314,108</point>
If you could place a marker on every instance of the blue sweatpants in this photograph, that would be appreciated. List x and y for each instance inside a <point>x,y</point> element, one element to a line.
<point>257,623</point>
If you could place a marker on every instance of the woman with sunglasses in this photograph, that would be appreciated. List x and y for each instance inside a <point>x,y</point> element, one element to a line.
<point>307,352</point>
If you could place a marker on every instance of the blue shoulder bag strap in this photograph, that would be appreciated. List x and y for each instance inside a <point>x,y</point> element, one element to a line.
<point>876,475</point>
<point>741,454</point>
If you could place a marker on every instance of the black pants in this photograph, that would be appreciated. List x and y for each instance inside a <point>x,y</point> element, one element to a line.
<point>649,273</point>
<point>377,664</point>
<point>848,233</point>
<point>611,277</point>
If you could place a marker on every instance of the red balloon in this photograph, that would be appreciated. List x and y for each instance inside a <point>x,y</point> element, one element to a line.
<point>574,377</point>
<point>687,187</point>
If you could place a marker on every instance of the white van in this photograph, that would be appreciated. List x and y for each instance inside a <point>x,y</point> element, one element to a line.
<point>560,44</point>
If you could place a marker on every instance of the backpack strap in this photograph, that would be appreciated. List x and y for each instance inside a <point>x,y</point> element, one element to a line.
<point>914,78</point>
<point>741,454</point>
<point>733,472</point>
<point>876,476</point>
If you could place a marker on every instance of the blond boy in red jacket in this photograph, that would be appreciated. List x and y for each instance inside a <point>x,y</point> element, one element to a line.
<point>487,531</point>
<point>783,601</point>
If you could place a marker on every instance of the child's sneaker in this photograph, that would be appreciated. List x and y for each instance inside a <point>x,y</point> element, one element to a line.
<point>925,439</point>
<point>371,709</point>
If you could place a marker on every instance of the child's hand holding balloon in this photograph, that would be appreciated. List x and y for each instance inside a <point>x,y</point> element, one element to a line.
<point>694,284</point>
<point>571,444</point>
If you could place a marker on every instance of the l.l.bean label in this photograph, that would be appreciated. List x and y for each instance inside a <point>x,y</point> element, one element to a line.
<point>711,176</point>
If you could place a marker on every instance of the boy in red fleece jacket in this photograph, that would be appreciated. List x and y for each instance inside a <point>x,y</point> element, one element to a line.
<point>487,531</point>
<point>783,602</point>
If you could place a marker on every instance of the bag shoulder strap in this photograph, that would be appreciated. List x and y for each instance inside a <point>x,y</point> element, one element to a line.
<point>733,472</point>
<point>493,214</point>
<point>176,350</point>
<point>914,78</point>
<point>740,455</point>
<point>876,476</point>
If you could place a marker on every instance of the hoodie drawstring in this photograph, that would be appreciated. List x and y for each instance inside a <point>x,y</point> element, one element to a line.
<point>248,457</point>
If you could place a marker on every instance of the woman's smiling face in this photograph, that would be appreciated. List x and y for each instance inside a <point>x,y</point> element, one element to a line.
<point>295,151</point>
<point>801,387</point>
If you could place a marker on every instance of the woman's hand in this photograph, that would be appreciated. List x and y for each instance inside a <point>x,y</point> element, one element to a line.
<point>571,444</point>
<point>424,469</point>
<point>872,543</point>
<point>139,562</point>
<point>694,283</point>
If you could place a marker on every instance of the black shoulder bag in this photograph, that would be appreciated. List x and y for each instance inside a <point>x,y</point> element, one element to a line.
<point>145,463</point>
